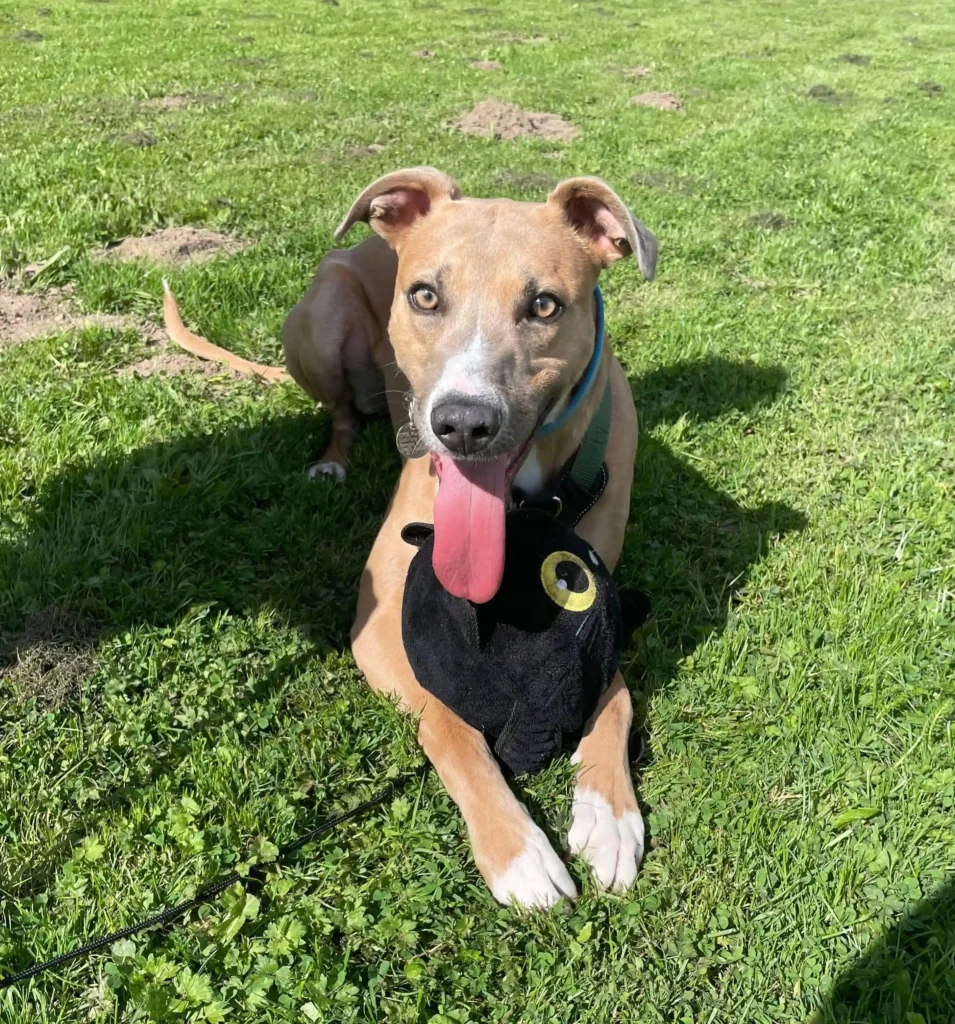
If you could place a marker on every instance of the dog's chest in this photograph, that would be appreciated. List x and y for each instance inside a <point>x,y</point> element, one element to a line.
<point>530,477</point>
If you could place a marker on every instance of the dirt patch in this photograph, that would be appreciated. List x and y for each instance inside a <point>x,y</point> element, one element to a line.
<point>859,59</point>
<point>175,247</point>
<point>28,315</point>
<point>768,220</point>
<point>931,88</point>
<point>755,282</point>
<point>172,362</point>
<point>51,659</point>
<point>249,62</point>
<point>27,35</point>
<point>657,100</point>
<point>358,152</point>
<point>826,94</point>
<point>675,184</point>
<point>532,181</point>
<point>424,54</point>
<point>138,140</point>
<point>181,101</point>
<point>45,12</point>
<point>641,71</point>
<point>506,121</point>
<point>486,65</point>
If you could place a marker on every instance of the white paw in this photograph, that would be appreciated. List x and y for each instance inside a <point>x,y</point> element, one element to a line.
<point>536,877</point>
<point>612,846</point>
<point>335,469</point>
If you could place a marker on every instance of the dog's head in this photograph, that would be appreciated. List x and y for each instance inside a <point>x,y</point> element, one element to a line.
<point>493,314</point>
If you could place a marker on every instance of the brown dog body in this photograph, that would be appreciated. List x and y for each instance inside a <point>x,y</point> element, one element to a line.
<point>337,348</point>
<point>475,319</point>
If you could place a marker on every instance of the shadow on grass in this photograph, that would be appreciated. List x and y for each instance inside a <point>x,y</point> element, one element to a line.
<point>689,544</point>
<point>229,520</point>
<point>908,977</point>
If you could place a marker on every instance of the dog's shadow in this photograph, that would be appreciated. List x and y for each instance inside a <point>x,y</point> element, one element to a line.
<point>228,520</point>
<point>906,976</point>
<point>689,545</point>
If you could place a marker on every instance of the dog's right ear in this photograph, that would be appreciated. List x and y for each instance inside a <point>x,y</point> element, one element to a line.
<point>393,203</point>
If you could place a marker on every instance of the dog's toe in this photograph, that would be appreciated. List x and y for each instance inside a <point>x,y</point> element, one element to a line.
<point>536,877</point>
<point>611,844</point>
<point>334,469</point>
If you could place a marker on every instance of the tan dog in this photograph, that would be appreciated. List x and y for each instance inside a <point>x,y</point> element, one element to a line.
<point>490,328</point>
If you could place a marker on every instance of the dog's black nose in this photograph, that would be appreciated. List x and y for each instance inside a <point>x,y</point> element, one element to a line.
<point>465,426</point>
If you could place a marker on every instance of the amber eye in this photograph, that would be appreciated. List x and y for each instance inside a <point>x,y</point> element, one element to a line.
<point>423,297</point>
<point>545,307</point>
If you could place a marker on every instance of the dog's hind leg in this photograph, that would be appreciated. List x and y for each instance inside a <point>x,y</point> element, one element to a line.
<point>328,339</point>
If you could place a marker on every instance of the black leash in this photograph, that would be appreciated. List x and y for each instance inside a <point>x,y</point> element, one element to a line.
<point>212,890</point>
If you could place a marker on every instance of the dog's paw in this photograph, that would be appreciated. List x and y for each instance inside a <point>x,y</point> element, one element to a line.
<point>536,877</point>
<point>611,845</point>
<point>334,469</point>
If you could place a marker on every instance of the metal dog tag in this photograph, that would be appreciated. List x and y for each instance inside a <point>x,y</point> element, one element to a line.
<point>409,444</point>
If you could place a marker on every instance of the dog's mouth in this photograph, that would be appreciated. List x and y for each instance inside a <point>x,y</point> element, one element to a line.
<point>469,513</point>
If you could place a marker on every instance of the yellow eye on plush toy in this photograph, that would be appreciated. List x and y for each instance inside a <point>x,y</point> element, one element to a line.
<point>568,582</point>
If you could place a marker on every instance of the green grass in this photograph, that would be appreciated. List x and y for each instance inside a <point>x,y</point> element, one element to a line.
<point>792,518</point>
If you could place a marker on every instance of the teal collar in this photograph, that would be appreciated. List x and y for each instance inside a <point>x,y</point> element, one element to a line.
<point>586,381</point>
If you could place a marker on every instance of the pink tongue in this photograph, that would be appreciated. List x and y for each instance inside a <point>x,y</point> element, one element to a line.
<point>468,554</point>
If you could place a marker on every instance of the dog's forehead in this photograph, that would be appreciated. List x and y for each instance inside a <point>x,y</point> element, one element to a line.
<point>504,235</point>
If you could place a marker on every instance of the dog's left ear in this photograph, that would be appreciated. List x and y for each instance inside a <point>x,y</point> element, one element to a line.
<point>602,219</point>
<point>393,203</point>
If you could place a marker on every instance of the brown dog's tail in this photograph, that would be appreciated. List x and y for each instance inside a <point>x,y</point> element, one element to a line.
<point>184,338</point>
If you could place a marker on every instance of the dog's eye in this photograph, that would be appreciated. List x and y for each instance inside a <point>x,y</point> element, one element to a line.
<point>423,297</point>
<point>545,307</point>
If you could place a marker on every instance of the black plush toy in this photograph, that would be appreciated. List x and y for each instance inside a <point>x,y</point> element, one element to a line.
<point>528,667</point>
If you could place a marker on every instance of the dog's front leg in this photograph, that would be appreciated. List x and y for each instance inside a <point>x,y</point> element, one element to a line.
<point>511,852</point>
<point>606,826</point>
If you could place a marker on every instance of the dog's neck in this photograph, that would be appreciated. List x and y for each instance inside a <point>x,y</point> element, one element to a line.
<point>547,455</point>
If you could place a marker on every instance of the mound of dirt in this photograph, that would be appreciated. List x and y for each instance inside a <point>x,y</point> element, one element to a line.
<point>769,220</point>
<point>372,149</point>
<point>532,181</point>
<point>657,100</point>
<point>28,315</point>
<point>175,247</point>
<point>826,94</point>
<point>506,121</point>
<point>675,184</point>
<point>423,54</point>
<point>859,59</point>
<point>638,72</point>
<point>139,140</point>
<point>51,659</point>
<point>181,100</point>
<point>486,65</point>
<point>172,363</point>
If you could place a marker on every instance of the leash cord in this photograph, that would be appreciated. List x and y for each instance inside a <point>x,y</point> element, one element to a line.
<point>211,891</point>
